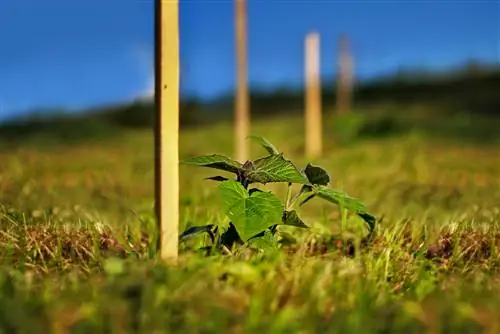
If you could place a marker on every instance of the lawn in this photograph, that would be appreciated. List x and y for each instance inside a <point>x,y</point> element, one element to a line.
<point>77,243</point>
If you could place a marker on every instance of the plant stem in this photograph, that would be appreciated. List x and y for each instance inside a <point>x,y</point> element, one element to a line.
<point>297,197</point>
<point>288,196</point>
<point>226,250</point>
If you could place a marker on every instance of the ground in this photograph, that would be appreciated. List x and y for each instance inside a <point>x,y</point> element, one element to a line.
<point>77,251</point>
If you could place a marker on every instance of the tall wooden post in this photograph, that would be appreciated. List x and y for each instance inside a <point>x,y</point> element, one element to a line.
<point>167,127</point>
<point>345,76</point>
<point>242,113</point>
<point>313,97</point>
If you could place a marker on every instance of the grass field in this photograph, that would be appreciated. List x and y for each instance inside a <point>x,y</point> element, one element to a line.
<point>77,253</point>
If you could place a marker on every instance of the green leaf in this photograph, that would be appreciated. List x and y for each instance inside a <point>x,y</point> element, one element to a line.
<point>230,237</point>
<point>250,214</point>
<point>369,220</point>
<point>196,230</point>
<point>265,143</point>
<point>216,161</point>
<point>350,203</point>
<point>275,168</point>
<point>292,218</point>
<point>267,242</point>
<point>317,175</point>
<point>340,198</point>
<point>252,190</point>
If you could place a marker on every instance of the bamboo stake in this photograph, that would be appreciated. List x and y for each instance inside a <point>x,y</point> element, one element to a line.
<point>345,79</point>
<point>167,127</point>
<point>242,113</point>
<point>313,97</point>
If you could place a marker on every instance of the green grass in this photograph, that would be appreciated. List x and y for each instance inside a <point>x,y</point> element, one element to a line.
<point>68,212</point>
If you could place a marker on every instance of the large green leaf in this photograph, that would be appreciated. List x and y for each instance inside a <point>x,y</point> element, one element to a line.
<point>266,144</point>
<point>250,214</point>
<point>317,175</point>
<point>275,168</point>
<point>216,161</point>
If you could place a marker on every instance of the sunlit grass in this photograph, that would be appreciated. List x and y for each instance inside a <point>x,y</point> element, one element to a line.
<point>68,211</point>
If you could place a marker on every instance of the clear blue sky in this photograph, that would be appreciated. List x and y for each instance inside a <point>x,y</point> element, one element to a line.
<point>83,53</point>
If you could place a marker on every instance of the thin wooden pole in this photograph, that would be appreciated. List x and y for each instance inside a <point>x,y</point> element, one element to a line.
<point>242,113</point>
<point>345,79</point>
<point>167,127</point>
<point>313,97</point>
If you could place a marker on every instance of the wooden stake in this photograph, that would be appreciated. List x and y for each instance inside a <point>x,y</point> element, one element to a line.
<point>242,113</point>
<point>313,97</point>
<point>167,127</point>
<point>345,79</point>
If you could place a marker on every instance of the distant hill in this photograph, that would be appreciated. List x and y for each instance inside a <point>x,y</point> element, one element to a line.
<point>472,89</point>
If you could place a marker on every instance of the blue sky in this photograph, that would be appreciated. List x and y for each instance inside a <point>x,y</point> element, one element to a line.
<point>83,53</point>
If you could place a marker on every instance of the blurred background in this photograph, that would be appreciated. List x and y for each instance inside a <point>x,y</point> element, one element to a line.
<point>430,66</point>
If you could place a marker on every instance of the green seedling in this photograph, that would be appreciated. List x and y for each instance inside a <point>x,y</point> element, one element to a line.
<point>255,214</point>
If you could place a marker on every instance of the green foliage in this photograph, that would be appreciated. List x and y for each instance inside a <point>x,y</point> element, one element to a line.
<point>317,175</point>
<point>251,213</point>
<point>273,168</point>
<point>256,214</point>
<point>433,265</point>
<point>216,161</point>
<point>292,218</point>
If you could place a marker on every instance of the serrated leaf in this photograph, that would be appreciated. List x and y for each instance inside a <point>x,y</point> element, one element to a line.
<point>266,242</point>
<point>340,198</point>
<point>265,143</point>
<point>250,214</point>
<point>317,175</point>
<point>274,168</point>
<point>292,218</point>
<point>216,161</point>
<point>350,203</point>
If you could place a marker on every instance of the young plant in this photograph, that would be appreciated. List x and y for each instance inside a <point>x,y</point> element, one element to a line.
<point>256,214</point>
